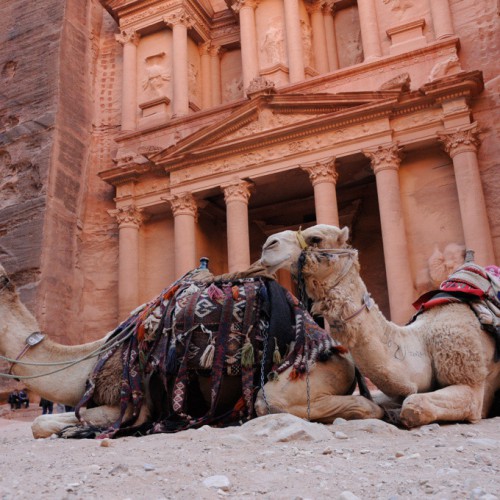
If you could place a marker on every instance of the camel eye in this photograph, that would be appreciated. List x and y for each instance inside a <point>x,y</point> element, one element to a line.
<point>315,240</point>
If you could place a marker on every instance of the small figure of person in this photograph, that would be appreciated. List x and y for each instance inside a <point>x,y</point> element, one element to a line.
<point>14,402</point>
<point>24,398</point>
<point>47,406</point>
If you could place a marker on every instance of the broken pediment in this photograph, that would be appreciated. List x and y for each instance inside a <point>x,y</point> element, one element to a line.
<point>271,117</point>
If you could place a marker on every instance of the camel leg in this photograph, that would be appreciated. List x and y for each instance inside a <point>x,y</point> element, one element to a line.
<point>452,403</point>
<point>326,409</point>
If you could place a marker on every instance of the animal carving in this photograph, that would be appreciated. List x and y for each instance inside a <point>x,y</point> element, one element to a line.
<point>195,355</point>
<point>441,366</point>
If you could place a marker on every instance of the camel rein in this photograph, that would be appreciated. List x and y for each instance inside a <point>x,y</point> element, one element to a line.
<point>36,338</point>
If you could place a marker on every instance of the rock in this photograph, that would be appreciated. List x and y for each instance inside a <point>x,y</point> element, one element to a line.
<point>348,495</point>
<point>218,482</point>
<point>284,427</point>
<point>370,425</point>
<point>341,435</point>
<point>149,467</point>
<point>484,443</point>
<point>105,443</point>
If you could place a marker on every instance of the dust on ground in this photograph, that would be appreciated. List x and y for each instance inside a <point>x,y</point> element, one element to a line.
<point>272,457</point>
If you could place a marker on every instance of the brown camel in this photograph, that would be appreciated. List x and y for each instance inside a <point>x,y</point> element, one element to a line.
<point>441,365</point>
<point>331,380</point>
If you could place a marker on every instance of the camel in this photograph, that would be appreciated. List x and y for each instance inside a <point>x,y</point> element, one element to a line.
<point>331,380</point>
<point>440,366</point>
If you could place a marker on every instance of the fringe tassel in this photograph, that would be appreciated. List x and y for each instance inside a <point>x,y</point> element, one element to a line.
<point>276,353</point>
<point>207,358</point>
<point>236,292</point>
<point>247,354</point>
<point>215,293</point>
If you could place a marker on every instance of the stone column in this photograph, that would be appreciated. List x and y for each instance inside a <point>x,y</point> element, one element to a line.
<point>294,41</point>
<point>462,145</point>
<point>385,161</point>
<point>179,21</point>
<point>206,75</point>
<point>369,29</point>
<point>330,36</point>
<point>215,52</point>
<point>324,176</point>
<point>248,40</point>
<point>129,41</point>
<point>129,221</point>
<point>315,10</point>
<point>236,195</point>
<point>185,213</point>
<point>441,18</point>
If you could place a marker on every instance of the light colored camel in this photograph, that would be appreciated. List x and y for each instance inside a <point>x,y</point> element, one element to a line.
<point>441,365</point>
<point>331,382</point>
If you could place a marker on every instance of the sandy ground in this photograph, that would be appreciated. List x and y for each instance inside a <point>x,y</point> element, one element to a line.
<point>273,457</point>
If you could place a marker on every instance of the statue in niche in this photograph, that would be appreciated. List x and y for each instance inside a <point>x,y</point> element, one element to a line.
<point>272,45</point>
<point>306,42</point>
<point>233,90</point>
<point>156,75</point>
<point>440,266</point>
<point>193,82</point>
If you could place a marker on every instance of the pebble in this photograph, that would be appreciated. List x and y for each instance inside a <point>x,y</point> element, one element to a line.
<point>149,467</point>
<point>105,443</point>
<point>218,482</point>
<point>341,435</point>
<point>348,495</point>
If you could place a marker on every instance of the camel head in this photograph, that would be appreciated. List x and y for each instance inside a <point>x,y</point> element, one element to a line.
<point>282,250</point>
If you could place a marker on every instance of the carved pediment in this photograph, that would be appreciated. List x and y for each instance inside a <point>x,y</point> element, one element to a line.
<point>270,117</point>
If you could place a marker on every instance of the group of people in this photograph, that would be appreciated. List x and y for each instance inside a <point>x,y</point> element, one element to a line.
<point>18,398</point>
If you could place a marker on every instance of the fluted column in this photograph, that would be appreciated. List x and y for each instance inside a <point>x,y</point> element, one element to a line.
<point>315,10</point>
<point>206,75</point>
<point>294,41</point>
<point>385,161</point>
<point>369,29</point>
<point>179,21</point>
<point>185,213</point>
<point>462,145</point>
<point>236,195</point>
<point>129,41</point>
<point>129,221</point>
<point>215,52</point>
<point>323,177</point>
<point>248,40</point>
<point>441,18</point>
<point>330,36</point>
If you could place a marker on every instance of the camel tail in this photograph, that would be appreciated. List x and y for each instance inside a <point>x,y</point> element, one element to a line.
<point>363,387</point>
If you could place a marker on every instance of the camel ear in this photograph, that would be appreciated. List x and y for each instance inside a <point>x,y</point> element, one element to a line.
<point>343,236</point>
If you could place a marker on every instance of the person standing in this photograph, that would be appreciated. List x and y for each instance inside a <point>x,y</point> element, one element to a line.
<point>47,406</point>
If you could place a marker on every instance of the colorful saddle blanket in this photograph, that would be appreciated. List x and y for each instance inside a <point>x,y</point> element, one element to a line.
<point>246,328</point>
<point>476,286</point>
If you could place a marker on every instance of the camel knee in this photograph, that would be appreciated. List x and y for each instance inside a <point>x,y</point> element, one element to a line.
<point>46,425</point>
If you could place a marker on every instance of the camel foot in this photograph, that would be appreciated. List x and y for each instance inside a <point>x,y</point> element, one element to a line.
<point>393,416</point>
<point>79,432</point>
<point>410,417</point>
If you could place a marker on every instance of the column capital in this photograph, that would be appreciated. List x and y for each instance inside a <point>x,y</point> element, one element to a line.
<point>205,48</point>
<point>238,190</point>
<point>385,157</point>
<point>178,17</point>
<point>314,6</point>
<point>460,140</point>
<point>240,4</point>
<point>183,204</point>
<point>215,50</point>
<point>128,37</point>
<point>328,7</point>
<point>322,171</point>
<point>129,216</point>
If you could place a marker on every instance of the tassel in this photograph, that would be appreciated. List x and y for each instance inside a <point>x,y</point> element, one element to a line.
<point>215,293</point>
<point>207,358</point>
<point>247,354</point>
<point>171,364</point>
<point>273,376</point>
<point>276,353</point>
<point>236,292</point>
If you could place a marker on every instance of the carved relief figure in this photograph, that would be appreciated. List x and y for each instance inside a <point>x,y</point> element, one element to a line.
<point>273,45</point>
<point>193,83</point>
<point>233,90</point>
<point>156,75</point>
<point>307,42</point>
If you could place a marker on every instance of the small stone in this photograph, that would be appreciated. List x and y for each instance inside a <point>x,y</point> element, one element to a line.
<point>105,443</point>
<point>149,467</point>
<point>218,482</point>
<point>327,451</point>
<point>348,495</point>
<point>341,435</point>
<point>460,449</point>
<point>399,454</point>
<point>364,451</point>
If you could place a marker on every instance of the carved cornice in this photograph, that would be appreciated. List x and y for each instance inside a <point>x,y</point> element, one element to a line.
<point>385,157</point>
<point>237,191</point>
<point>322,171</point>
<point>260,85</point>
<point>460,140</point>
<point>183,204</point>
<point>129,216</point>
<point>129,36</point>
<point>314,6</point>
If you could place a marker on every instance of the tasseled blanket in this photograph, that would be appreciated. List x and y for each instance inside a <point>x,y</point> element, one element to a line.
<point>235,328</point>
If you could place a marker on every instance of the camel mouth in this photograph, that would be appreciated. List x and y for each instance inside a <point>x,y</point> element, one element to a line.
<point>272,265</point>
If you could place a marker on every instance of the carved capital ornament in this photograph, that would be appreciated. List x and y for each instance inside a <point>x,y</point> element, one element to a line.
<point>460,140</point>
<point>237,191</point>
<point>179,17</point>
<point>322,171</point>
<point>183,204</point>
<point>129,216</point>
<point>386,157</point>
<point>127,37</point>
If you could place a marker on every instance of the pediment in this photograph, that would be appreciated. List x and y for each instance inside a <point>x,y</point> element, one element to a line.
<point>270,115</point>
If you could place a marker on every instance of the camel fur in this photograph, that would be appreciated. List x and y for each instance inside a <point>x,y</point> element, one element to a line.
<point>331,382</point>
<point>441,366</point>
